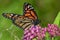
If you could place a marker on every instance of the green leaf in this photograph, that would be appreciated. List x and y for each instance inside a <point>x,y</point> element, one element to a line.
<point>57,19</point>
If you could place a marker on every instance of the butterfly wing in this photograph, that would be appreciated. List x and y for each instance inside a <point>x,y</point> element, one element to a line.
<point>30,13</point>
<point>11,16</point>
<point>23,23</point>
<point>20,21</point>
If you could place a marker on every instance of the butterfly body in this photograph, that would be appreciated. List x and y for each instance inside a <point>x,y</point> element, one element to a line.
<point>24,21</point>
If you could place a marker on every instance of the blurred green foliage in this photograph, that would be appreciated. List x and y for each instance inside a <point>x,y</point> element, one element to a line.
<point>46,10</point>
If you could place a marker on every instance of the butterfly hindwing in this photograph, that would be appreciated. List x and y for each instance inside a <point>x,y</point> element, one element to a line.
<point>24,23</point>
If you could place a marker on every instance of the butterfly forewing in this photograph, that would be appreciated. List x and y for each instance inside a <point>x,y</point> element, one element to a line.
<point>11,16</point>
<point>29,11</point>
<point>20,21</point>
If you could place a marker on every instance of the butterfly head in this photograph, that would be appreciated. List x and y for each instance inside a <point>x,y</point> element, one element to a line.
<point>35,22</point>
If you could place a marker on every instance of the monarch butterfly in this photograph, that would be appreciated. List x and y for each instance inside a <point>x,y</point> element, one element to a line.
<point>24,21</point>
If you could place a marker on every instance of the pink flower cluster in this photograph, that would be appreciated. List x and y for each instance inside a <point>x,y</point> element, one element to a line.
<point>53,30</point>
<point>39,33</point>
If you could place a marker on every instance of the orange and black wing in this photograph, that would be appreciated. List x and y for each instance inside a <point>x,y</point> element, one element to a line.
<point>29,11</point>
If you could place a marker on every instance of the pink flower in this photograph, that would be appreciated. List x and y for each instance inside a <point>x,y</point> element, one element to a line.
<point>53,30</point>
<point>34,31</point>
<point>39,32</point>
